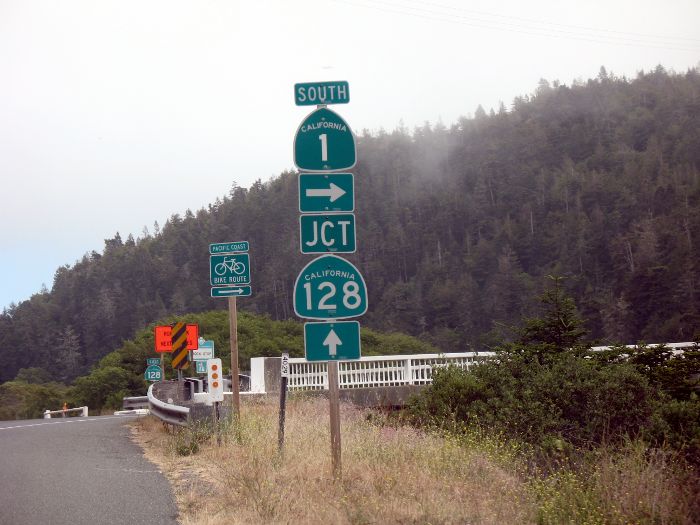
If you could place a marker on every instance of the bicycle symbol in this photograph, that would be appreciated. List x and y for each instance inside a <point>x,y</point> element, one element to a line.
<point>232,265</point>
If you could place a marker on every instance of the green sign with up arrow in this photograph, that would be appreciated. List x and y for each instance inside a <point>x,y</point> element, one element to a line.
<point>335,341</point>
<point>329,287</point>
<point>324,142</point>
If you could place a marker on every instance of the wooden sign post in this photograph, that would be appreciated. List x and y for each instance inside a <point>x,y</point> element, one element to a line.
<point>334,401</point>
<point>235,385</point>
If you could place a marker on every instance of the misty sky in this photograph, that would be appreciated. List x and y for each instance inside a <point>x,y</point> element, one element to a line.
<point>115,114</point>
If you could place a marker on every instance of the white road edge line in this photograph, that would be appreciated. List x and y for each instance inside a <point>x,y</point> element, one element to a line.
<point>71,421</point>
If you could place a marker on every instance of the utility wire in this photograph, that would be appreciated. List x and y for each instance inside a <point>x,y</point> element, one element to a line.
<point>669,38</point>
<point>428,14</point>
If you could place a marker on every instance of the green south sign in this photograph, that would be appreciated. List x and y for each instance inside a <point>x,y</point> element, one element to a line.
<point>329,287</point>
<point>324,142</point>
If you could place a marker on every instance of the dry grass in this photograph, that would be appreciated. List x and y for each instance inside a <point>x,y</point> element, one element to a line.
<point>402,475</point>
<point>632,485</point>
<point>390,475</point>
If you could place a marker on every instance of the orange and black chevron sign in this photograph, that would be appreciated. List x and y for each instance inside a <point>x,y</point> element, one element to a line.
<point>180,354</point>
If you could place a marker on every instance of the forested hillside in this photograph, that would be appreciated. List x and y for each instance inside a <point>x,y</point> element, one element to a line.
<point>457,228</point>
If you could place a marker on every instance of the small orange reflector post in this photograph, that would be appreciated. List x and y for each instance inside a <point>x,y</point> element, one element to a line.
<point>216,384</point>
<point>214,367</point>
<point>215,376</point>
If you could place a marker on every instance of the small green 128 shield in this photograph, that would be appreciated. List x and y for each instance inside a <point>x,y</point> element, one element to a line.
<point>329,287</point>
<point>153,373</point>
<point>324,142</point>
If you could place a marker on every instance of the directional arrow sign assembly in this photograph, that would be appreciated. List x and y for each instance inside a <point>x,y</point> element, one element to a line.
<point>336,341</point>
<point>231,291</point>
<point>333,192</point>
<point>329,287</point>
<point>334,233</point>
<point>324,142</point>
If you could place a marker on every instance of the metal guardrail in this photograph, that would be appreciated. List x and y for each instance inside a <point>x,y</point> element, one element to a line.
<point>130,403</point>
<point>172,414</point>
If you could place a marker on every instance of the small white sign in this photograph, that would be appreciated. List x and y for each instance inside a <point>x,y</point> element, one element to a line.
<point>285,365</point>
<point>204,352</point>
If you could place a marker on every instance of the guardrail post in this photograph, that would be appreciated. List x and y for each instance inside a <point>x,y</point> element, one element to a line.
<point>85,411</point>
<point>407,371</point>
<point>47,414</point>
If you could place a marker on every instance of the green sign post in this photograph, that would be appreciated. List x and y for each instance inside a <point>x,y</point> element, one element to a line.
<point>329,287</point>
<point>324,142</point>
<point>153,373</point>
<point>332,341</point>
<point>334,233</point>
<point>332,192</point>
<point>229,270</point>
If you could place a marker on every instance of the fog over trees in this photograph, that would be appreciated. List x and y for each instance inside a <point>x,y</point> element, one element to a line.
<point>458,227</point>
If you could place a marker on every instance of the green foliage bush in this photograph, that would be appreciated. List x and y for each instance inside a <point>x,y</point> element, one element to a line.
<point>571,399</point>
<point>22,400</point>
<point>546,389</point>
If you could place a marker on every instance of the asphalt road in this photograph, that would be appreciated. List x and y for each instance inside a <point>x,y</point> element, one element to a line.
<point>79,471</point>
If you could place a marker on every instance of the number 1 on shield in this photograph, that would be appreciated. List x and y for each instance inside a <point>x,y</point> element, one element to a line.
<point>324,147</point>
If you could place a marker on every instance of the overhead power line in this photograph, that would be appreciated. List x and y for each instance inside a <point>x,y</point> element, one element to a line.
<point>525,26</point>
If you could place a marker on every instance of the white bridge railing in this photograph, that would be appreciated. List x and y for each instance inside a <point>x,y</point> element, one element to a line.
<point>83,412</point>
<point>375,371</point>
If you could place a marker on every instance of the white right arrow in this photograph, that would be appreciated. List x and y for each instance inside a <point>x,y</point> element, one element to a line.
<point>333,191</point>
<point>230,291</point>
<point>332,341</point>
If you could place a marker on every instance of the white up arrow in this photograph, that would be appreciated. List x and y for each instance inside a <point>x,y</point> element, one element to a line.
<point>332,341</point>
<point>333,191</point>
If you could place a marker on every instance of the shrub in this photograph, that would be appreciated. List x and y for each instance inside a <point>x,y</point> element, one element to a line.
<point>570,398</point>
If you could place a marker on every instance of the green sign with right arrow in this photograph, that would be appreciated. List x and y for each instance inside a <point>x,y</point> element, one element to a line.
<point>337,341</point>
<point>331,192</point>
